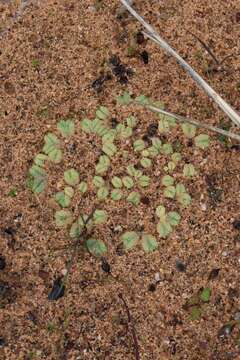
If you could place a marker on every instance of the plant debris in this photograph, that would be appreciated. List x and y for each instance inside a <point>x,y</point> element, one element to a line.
<point>57,290</point>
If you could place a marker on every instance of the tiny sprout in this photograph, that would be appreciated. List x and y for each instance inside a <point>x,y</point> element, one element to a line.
<point>129,239</point>
<point>169,192</point>
<point>63,199</point>
<point>116,194</point>
<point>71,177</point>
<point>100,217</point>
<point>103,164</point>
<point>102,193</point>
<point>134,198</point>
<point>142,100</point>
<point>117,182</point>
<point>165,123</point>
<point>98,181</point>
<point>40,159</point>
<point>66,127</point>
<point>87,125</point>
<point>167,149</point>
<point>51,148</point>
<point>145,162</point>
<point>189,130</point>
<point>63,218</point>
<point>128,182</point>
<point>170,166</point>
<point>189,170</point>
<point>12,192</point>
<point>202,141</point>
<point>38,179</point>
<point>96,247</point>
<point>166,221</point>
<point>182,196</point>
<point>139,145</point>
<point>176,157</point>
<point>157,144</point>
<point>124,99</point>
<point>82,187</point>
<point>131,121</point>
<point>109,149</point>
<point>97,127</point>
<point>102,113</point>
<point>167,180</point>
<point>205,294</point>
<point>144,181</point>
<point>109,137</point>
<point>149,243</point>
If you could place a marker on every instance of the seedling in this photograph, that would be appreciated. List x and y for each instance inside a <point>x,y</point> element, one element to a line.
<point>112,184</point>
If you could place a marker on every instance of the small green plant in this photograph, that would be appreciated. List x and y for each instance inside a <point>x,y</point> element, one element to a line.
<point>122,175</point>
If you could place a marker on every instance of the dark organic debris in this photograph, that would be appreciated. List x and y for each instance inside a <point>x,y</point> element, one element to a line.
<point>226,330</point>
<point>152,287</point>
<point>7,294</point>
<point>145,200</point>
<point>152,129</point>
<point>180,266</point>
<point>213,274</point>
<point>233,293</point>
<point>32,317</point>
<point>120,70</point>
<point>2,262</point>
<point>10,231</point>
<point>2,342</point>
<point>98,83</point>
<point>236,224</point>
<point>105,266</point>
<point>145,57</point>
<point>57,290</point>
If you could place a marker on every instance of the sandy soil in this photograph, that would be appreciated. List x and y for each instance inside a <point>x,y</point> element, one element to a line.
<point>49,58</point>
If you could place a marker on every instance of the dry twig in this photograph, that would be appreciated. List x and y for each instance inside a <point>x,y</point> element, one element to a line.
<point>133,331</point>
<point>153,35</point>
<point>183,119</point>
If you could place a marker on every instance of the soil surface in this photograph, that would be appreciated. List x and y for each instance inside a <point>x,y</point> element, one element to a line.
<point>55,63</point>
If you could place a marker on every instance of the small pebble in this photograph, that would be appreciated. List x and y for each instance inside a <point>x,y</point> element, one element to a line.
<point>203,206</point>
<point>225,331</point>
<point>237,316</point>
<point>157,277</point>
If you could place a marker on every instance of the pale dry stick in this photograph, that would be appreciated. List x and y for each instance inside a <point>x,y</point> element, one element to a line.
<point>182,119</point>
<point>153,35</point>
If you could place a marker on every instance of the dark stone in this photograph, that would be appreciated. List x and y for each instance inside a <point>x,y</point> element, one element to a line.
<point>145,57</point>
<point>2,342</point>
<point>105,266</point>
<point>2,262</point>
<point>139,38</point>
<point>236,224</point>
<point>114,123</point>
<point>213,274</point>
<point>57,290</point>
